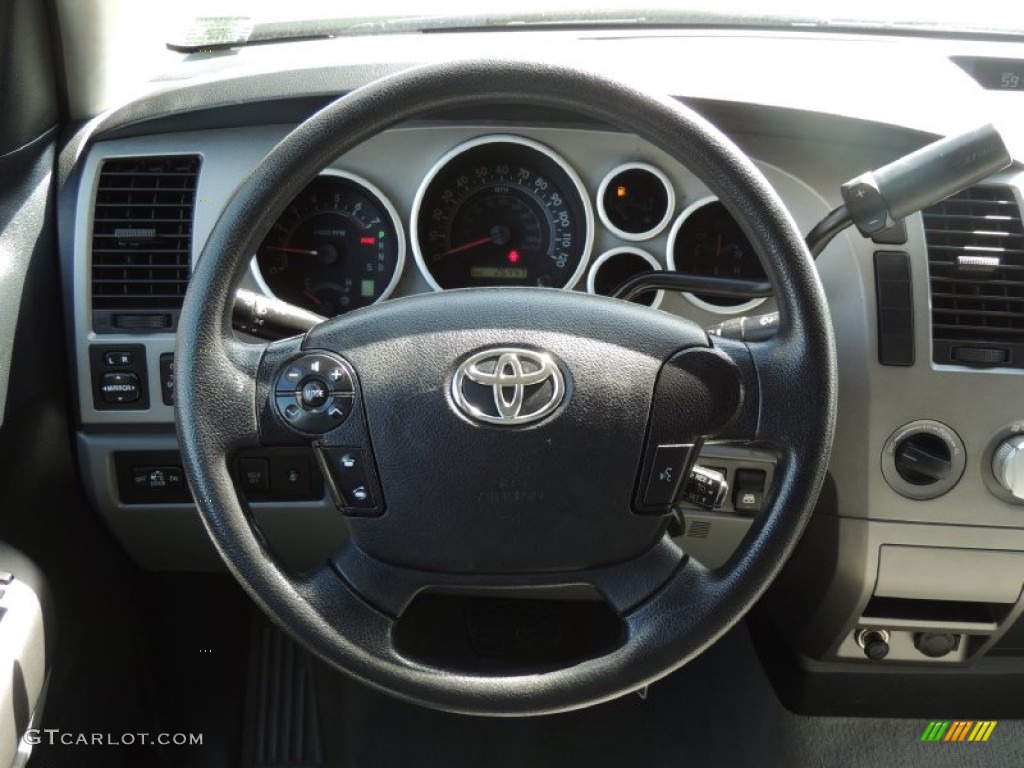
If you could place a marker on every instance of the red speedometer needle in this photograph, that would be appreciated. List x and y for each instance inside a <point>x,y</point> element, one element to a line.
<point>466,246</point>
<point>286,249</point>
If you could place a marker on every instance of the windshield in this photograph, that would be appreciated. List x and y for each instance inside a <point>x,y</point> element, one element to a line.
<point>236,22</point>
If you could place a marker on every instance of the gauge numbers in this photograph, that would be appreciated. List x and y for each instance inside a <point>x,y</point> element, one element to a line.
<point>502,210</point>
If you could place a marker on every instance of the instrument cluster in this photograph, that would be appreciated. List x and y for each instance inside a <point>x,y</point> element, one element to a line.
<point>496,210</point>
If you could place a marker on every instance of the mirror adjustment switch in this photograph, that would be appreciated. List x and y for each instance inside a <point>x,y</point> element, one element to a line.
<point>121,358</point>
<point>120,388</point>
<point>119,377</point>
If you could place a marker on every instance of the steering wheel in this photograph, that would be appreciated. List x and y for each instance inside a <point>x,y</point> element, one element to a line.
<point>589,399</point>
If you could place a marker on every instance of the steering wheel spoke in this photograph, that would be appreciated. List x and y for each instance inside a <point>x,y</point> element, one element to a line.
<point>224,405</point>
<point>790,404</point>
<point>391,588</point>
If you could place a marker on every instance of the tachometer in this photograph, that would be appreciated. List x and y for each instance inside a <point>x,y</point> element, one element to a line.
<point>337,247</point>
<point>502,210</point>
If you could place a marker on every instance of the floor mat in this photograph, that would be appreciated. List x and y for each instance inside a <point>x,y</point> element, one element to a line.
<point>718,711</point>
<point>281,719</point>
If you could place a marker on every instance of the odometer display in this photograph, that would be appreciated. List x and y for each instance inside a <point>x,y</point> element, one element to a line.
<point>499,273</point>
<point>502,210</point>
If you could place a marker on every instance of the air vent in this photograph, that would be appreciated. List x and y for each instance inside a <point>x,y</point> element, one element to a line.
<point>142,242</point>
<point>976,266</point>
<point>698,529</point>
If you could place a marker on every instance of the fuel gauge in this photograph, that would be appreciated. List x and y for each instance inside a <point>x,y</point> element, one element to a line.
<point>636,201</point>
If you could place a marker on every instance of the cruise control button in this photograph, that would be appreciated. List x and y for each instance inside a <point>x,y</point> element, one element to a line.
<point>314,394</point>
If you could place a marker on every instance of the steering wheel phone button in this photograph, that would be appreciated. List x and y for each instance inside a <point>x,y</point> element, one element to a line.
<point>347,468</point>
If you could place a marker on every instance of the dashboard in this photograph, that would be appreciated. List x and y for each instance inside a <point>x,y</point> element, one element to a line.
<point>931,349</point>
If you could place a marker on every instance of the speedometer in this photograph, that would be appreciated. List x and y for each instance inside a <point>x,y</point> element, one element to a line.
<point>502,210</point>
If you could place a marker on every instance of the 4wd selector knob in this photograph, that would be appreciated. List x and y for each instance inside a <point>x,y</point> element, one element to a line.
<point>923,459</point>
<point>1008,465</point>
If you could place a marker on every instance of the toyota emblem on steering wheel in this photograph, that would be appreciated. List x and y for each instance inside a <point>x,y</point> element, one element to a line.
<point>508,386</point>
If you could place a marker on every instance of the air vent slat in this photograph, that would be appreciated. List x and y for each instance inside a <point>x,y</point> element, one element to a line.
<point>942,297</point>
<point>150,206</point>
<point>976,270</point>
<point>98,220</point>
<point>991,285</point>
<point>135,252</point>
<point>142,235</point>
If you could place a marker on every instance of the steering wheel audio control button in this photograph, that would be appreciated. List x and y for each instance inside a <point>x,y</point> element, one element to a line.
<point>351,478</point>
<point>341,379</point>
<point>313,394</point>
<point>340,408</point>
<point>336,375</point>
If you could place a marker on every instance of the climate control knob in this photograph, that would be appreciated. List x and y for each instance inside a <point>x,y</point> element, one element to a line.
<point>1008,465</point>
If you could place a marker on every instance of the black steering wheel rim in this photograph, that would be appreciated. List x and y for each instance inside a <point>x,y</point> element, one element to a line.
<point>795,399</point>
